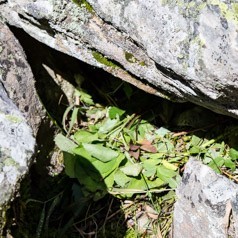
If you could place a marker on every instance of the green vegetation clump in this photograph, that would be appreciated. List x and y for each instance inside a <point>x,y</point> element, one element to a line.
<point>85,4</point>
<point>132,59</point>
<point>110,151</point>
<point>103,60</point>
<point>124,156</point>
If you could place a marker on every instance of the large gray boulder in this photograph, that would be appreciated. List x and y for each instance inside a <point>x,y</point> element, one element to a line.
<point>207,204</point>
<point>17,146</point>
<point>184,51</point>
<point>18,80</point>
<point>21,115</point>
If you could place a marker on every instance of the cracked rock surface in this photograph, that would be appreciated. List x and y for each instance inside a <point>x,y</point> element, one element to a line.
<point>20,118</point>
<point>181,50</point>
<point>207,204</point>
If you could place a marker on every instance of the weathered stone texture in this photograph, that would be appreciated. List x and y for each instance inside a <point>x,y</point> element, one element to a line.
<point>17,146</point>
<point>17,78</point>
<point>20,118</point>
<point>185,50</point>
<point>205,204</point>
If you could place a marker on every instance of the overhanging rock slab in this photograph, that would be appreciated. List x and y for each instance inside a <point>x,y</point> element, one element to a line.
<point>181,50</point>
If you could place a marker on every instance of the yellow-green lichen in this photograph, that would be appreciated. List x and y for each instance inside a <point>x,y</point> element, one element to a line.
<point>235,8</point>
<point>142,63</point>
<point>229,12</point>
<point>132,59</point>
<point>9,162</point>
<point>197,43</point>
<point>191,8</point>
<point>103,60</point>
<point>13,119</point>
<point>84,4</point>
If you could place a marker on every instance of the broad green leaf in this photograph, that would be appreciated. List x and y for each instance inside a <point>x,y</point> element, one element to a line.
<point>216,163</point>
<point>164,173</point>
<point>175,159</point>
<point>106,168</point>
<point>156,156</point>
<point>172,182</point>
<point>165,146</point>
<point>162,132</point>
<point>84,97</point>
<point>100,152</point>
<point>114,111</point>
<point>109,180</point>
<point>132,170</point>
<point>108,125</point>
<point>78,167</point>
<point>131,134</point>
<point>149,171</point>
<point>230,164</point>
<point>149,166</point>
<point>151,162</point>
<point>168,176</point>
<point>162,148</point>
<point>64,143</point>
<point>144,128</point>
<point>170,145</point>
<point>219,148</point>
<point>195,141</point>
<point>83,169</point>
<point>195,150</point>
<point>169,165</point>
<point>120,178</point>
<point>144,184</point>
<point>83,136</point>
<point>155,183</point>
<point>84,153</point>
<point>70,165</point>
<point>233,154</point>
<point>96,168</point>
<point>90,184</point>
<point>214,152</point>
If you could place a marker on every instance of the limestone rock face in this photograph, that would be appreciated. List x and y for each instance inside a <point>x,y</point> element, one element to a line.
<point>181,50</point>
<point>207,204</point>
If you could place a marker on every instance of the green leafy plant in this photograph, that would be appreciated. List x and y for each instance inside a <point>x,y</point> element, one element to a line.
<point>112,152</point>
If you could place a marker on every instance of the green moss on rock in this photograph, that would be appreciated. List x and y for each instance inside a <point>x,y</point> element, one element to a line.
<point>103,60</point>
<point>84,4</point>
<point>132,59</point>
